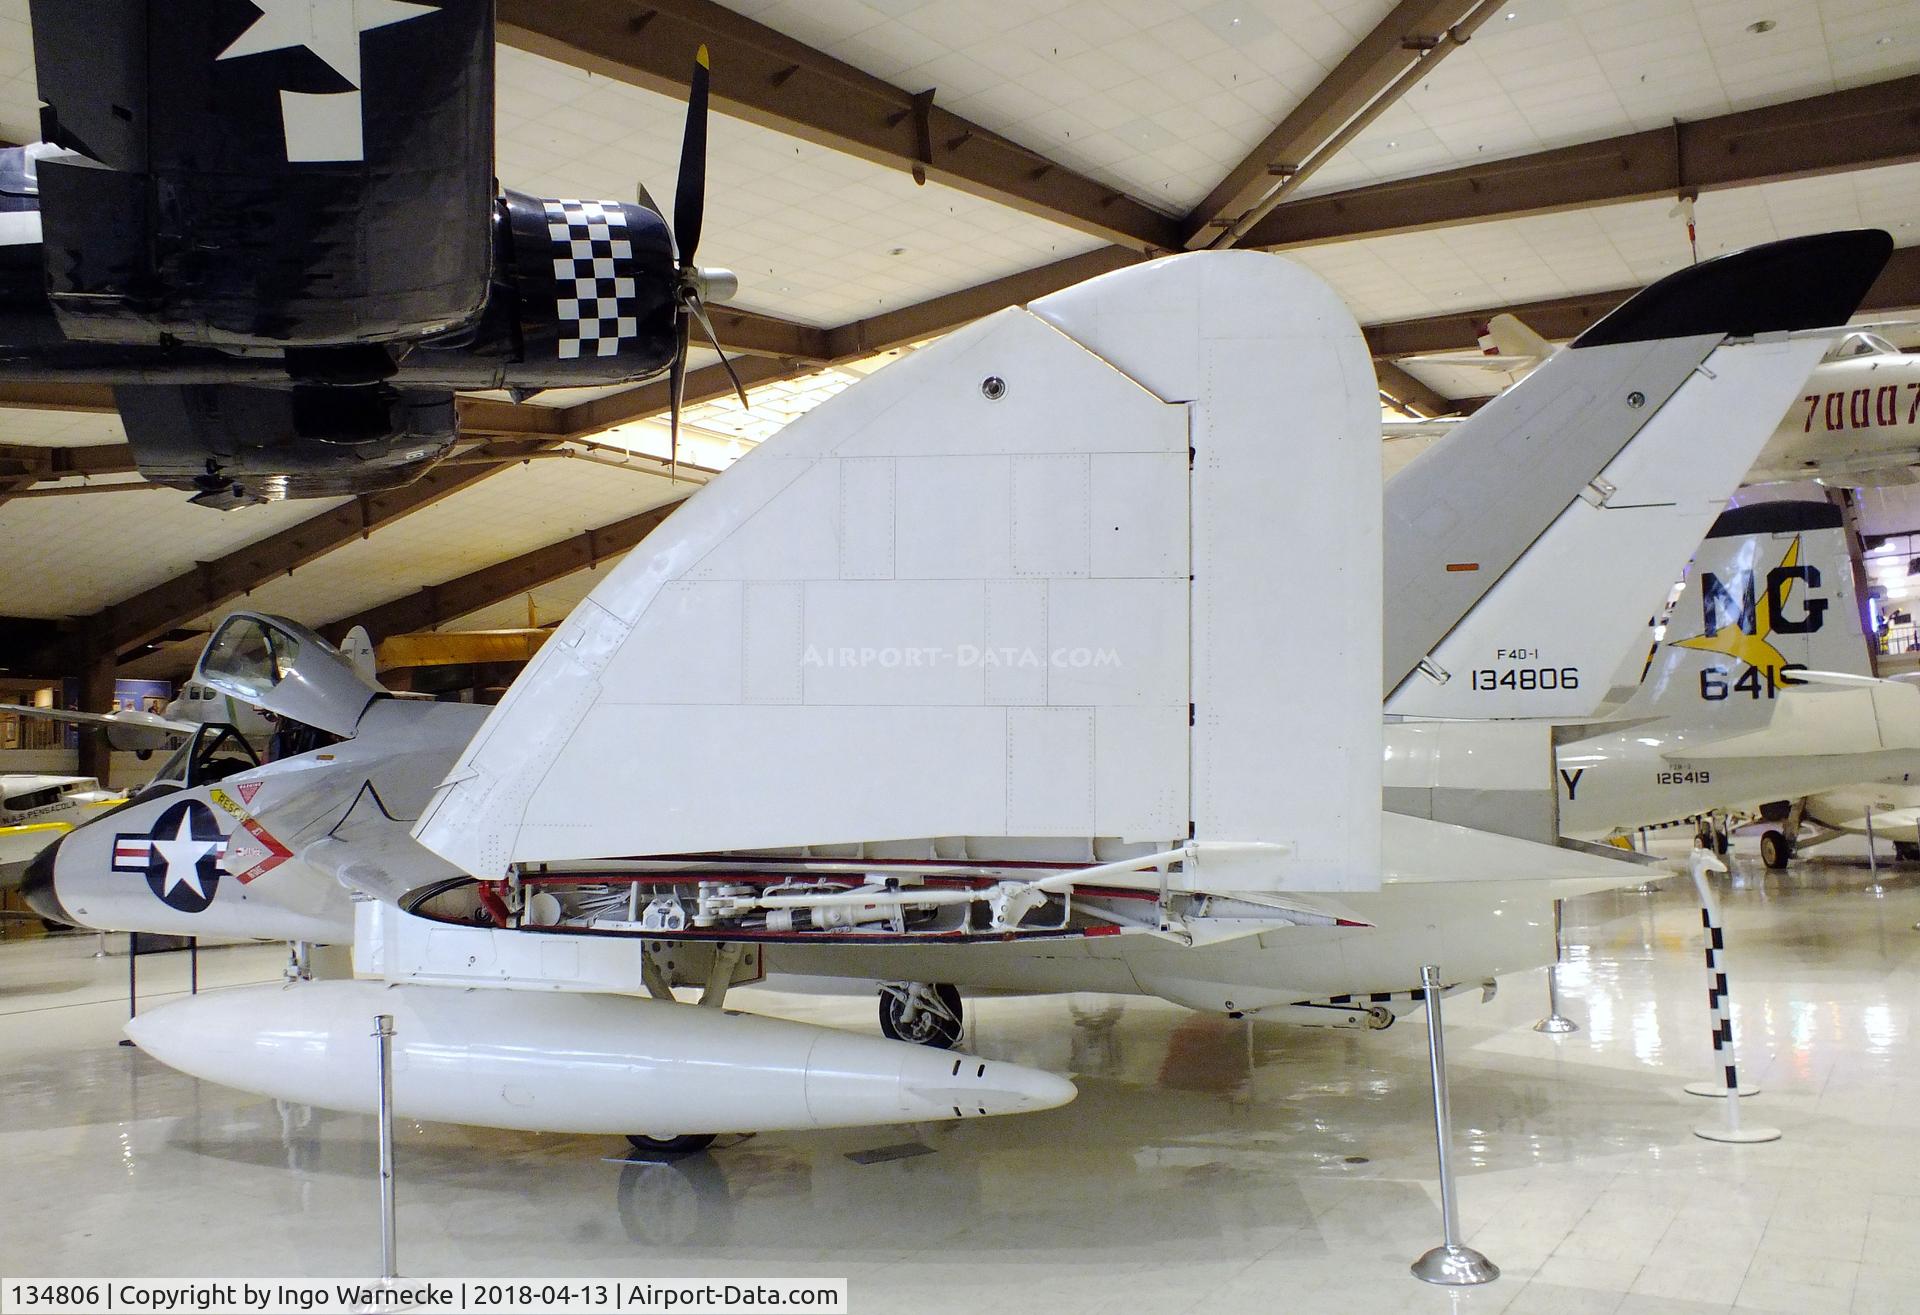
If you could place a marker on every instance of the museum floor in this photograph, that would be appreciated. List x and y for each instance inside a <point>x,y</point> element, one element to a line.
<point>1207,1165</point>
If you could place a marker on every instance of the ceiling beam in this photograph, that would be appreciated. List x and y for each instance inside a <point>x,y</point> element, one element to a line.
<point>23,465</point>
<point>890,329</point>
<point>650,400</point>
<point>209,585</point>
<point>1861,128</point>
<point>438,604</point>
<point>1410,394</point>
<point>61,462</point>
<point>749,333</point>
<point>767,78</point>
<point>1376,72</point>
<point>1561,318</point>
<point>21,396</point>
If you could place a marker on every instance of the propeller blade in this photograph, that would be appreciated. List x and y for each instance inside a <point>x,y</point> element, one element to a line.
<point>690,193</point>
<point>706,326</point>
<point>676,392</point>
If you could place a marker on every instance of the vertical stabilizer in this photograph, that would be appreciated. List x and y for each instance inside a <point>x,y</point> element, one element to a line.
<point>1524,553</point>
<point>1771,591</point>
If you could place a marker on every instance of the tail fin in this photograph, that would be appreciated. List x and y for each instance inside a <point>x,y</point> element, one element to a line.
<point>358,647</point>
<point>1525,552</point>
<point>1512,338</point>
<point>1771,591</point>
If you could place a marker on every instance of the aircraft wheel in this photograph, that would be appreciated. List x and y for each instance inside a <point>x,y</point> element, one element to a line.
<point>1775,849</point>
<point>1906,851</point>
<point>934,1009</point>
<point>1380,1018</point>
<point>686,1144</point>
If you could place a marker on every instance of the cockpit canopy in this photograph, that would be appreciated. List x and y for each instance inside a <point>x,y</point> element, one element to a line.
<point>284,668</point>
<point>1861,343</point>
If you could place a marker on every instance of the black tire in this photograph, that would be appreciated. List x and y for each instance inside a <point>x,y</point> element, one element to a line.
<point>1906,851</point>
<point>929,1028</point>
<point>1722,842</point>
<point>686,1144</point>
<point>1775,849</point>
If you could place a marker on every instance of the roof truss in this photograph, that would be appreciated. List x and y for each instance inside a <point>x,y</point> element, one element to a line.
<point>768,78</point>
<point>1862,128</point>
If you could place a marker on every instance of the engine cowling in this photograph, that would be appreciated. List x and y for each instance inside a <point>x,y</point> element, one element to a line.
<point>593,284</point>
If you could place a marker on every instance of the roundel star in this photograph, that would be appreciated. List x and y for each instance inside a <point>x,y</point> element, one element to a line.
<point>181,855</point>
<point>329,28</point>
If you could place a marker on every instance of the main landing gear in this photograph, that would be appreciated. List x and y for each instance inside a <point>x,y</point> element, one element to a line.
<point>689,1144</point>
<point>925,1013</point>
<point>1713,832</point>
<point>1776,849</point>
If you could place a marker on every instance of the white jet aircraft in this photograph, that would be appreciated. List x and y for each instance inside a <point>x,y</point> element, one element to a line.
<point>1048,659</point>
<point>37,809</point>
<point>140,732</point>
<point>1759,690</point>
<point>1855,424</point>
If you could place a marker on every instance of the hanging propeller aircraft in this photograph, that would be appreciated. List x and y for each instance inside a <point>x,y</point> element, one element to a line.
<point>283,245</point>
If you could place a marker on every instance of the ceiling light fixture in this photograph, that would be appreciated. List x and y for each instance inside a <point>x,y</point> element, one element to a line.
<point>1763,25</point>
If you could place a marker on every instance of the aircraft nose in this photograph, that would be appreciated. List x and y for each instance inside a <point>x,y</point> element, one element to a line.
<point>37,887</point>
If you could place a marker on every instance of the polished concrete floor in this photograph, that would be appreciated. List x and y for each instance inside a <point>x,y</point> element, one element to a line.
<point>1208,1165</point>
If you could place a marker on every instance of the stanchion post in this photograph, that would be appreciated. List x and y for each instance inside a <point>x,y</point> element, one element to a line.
<point>1720,1012</point>
<point>1873,859</point>
<point>1450,1264</point>
<point>389,1261</point>
<point>133,981</point>
<point>1556,1023</point>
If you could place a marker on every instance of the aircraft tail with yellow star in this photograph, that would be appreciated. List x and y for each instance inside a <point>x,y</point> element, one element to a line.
<point>1771,592</point>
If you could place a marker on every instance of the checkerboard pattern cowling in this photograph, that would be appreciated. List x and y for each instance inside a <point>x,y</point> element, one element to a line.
<point>592,277</point>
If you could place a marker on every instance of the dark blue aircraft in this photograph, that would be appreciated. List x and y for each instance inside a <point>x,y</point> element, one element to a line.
<point>273,227</point>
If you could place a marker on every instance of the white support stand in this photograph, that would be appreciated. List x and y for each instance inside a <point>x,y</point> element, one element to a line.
<point>1873,859</point>
<point>389,1261</point>
<point>1450,1264</point>
<point>1556,1023</point>
<point>1720,1009</point>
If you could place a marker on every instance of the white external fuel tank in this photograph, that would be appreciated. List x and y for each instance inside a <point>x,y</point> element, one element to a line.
<point>571,1062</point>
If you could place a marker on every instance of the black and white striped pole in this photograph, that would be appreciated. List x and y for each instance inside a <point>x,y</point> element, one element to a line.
<point>1720,1010</point>
<point>1556,1023</point>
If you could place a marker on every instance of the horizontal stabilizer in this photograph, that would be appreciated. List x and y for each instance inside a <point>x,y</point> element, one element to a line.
<point>1819,721</point>
<point>1416,850</point>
